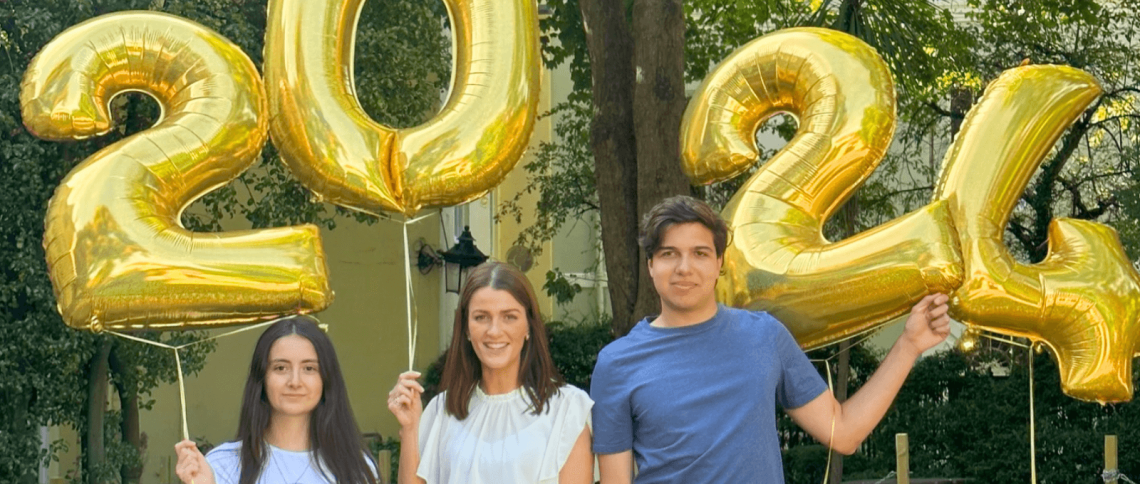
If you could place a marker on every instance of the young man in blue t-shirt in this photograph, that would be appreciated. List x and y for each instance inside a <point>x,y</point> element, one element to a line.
<point>691,395</point>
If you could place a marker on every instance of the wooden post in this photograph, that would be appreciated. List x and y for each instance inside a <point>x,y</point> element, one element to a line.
<point>843,368</point>
<point>1110,456</point>
<point>902,454</point>
<point>384,465</point>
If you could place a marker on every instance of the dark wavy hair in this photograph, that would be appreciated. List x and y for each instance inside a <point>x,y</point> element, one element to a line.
<point>334,438</point>
<point>680,209</point>
<point>462,370</point>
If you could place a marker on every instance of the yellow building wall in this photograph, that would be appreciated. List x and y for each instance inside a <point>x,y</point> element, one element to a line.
<point>367,325</point>
<point>506,230</point>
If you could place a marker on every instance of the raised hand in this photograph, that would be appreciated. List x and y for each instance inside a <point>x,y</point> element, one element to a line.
<point>928,323</point>
<point>192,467</point>
<point>404,400</point>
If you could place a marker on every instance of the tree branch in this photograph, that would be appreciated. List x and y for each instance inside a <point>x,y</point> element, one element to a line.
<point>1082,211</point>
<point>1022,234</point>
<point>943,112</point>
<point>1114,118</point>
<point>899,192</point>
<point>1118,91</point>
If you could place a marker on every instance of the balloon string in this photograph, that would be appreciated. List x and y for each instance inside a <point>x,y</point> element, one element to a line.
<point>1032,412</point>
<point>1003,340</point>
<point>182,395</point>
<point>1032,407</point>
<point>1032,423</point>
<point>413,328</point>
<point>831,388</point>
<point>409,296</point>
<point>178,362</point>
<point>192,343</point>
<point>831,436</point>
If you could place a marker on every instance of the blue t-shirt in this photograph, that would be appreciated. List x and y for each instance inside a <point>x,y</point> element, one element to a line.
<point>698,403</point>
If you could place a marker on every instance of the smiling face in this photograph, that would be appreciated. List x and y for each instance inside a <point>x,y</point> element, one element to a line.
<point>684,270</point>
<point>293,381</point>
<point>497,327</point>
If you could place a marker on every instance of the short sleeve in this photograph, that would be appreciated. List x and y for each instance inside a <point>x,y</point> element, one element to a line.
<point>612,414</point>
<point>800,383</point>
<point>225,462</point>
<point>372,467</point>
<point>570,409</point>
<point>431,428</point>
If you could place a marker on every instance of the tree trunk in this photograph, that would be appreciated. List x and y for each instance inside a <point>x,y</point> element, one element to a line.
<point>126,385</point>
<point>849,19</point>
<point>610,42</point>
<point>848,216</point>
<point>844,366</point>
<point>961,100</point>
<point>658,104</point>
<point>634,134</point>
<point>93,447</point>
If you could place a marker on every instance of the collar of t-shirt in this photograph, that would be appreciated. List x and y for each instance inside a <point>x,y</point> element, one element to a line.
<point>647,324</point>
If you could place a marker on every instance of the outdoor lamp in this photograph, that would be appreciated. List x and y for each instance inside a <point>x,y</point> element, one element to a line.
<point>459,259</point>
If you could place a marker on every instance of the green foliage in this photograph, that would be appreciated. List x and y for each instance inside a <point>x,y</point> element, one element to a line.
<point>1130,204</point>
<point>119,454</point>
<point>562,173</point>
<point>401,67</point>
<point>1096,159</point>
<point>564,40</point>
<point>153,365</point>
<point>862,362</point>
<point>805,463</point>
<point>936,53</point>
<point>575,347</point>
<point>392,445</point>
<point>918,40</point>
<point>560,288</point>
<point>431,378</point>
<point>43,363</point>
<point>965,422</point>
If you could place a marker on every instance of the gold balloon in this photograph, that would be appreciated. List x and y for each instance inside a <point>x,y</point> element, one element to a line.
<point>344,156</point>
<point>970,339</point>
<point>117,253</point>
<point>1083,300</point>
<point>778,260</point>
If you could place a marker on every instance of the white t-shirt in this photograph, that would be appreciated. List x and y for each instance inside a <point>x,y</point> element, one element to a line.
<point>282,466</point>
<point>501,441</point>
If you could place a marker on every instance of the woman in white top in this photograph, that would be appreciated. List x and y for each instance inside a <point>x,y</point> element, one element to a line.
<point>505,415</point>
<point>296,424</point>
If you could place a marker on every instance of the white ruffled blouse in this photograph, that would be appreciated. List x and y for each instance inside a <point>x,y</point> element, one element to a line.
<point>501,440</point>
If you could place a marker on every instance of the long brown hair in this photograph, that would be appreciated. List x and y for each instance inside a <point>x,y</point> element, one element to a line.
<point>334,438</point>
<point>462,369</point>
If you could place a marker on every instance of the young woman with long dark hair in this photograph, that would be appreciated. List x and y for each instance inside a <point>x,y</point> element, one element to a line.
<point>505,415</point>
<point>296,424</point>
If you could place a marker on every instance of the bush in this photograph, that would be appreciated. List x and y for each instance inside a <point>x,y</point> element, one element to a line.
<point>575,348</point>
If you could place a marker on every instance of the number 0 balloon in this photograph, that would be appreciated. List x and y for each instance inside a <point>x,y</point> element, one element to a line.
<point>340,153</point>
